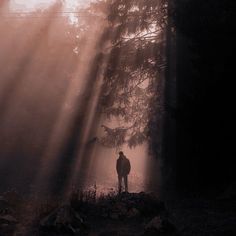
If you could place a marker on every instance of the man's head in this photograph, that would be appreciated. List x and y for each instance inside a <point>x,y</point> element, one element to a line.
<point>121,154</point>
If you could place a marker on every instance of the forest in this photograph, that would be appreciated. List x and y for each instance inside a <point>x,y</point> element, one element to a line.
<point>83,82</point>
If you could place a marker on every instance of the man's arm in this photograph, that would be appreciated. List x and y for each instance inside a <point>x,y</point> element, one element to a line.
<point>117,167</point>
<point>128,166</point>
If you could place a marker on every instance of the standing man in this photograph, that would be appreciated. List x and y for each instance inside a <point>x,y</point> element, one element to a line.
<point>123,168</point>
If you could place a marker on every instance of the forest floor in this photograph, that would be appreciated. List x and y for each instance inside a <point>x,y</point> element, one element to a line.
<point>204,217</point>
<point>126,214</point>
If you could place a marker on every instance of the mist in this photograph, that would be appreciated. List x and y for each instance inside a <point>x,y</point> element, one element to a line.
<point>51,82</point>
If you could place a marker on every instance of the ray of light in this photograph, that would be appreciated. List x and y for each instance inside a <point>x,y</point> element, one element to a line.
<point>74,96</point>
<point>91,120</point>
<point>84,86</point>
<point>18,71</point>
<point>31,46</point>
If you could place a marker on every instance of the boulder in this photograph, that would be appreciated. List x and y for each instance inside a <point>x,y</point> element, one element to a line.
<point>8,219</point>
<point>147,204</point>
<point>5,207</point>
<point>63,219</point>
<point>116,233</point>
<point>131,205</point>
<point>160,227</point>
<point>7,224</point>
<point>114,216</point>
<point>133,213</point>
<point>13,198</point>
<point>155,223</point>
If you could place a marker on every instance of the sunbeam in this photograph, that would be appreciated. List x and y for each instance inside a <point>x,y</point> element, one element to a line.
<point>63,72</point>
<point>74,97</point>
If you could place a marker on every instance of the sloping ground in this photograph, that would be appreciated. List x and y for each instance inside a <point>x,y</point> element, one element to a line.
<point>202,217</point>
<point>127,214</point>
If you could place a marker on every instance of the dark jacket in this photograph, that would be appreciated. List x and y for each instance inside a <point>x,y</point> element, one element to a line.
<point>123,166</point>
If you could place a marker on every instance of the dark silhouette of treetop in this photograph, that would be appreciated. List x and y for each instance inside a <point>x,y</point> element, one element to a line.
<point>131,90</point>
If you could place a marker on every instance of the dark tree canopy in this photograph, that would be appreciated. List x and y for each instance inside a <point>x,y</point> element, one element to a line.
<point>131,93</point>
<point>206,124</point>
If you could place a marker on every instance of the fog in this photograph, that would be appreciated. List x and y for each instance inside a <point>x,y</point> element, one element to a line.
<point>48,103</point>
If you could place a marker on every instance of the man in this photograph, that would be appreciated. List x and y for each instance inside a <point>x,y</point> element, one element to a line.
<point>123,168</point>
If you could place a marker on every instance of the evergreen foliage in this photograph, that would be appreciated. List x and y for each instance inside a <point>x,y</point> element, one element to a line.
<point>131,90</point>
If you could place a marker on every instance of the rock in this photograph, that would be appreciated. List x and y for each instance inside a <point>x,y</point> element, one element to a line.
<point>160,227</point>
<point>109,233</point>
<point>5,207</point>
<point>7,224</point>
<point>121,209</point>
<point>114,216</point>
<point>8,219</point>
<point>133,213</point>
<point>155,223</point>
<point>147,204</point>
<point>63,219</point>
<point>131,205</point>
<point>13,198</point>
<point>120,232</point>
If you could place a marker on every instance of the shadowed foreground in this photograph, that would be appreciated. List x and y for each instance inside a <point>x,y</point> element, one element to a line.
<point>85,214</point>
<point>127,214</point>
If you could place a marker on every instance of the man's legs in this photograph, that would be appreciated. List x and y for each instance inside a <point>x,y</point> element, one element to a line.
<point>126,183</point>
<point>119,183</point>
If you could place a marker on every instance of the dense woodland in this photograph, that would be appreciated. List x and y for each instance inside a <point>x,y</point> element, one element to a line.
<point>205,120</point>
<point>191,113</point>
<point>124,72</point>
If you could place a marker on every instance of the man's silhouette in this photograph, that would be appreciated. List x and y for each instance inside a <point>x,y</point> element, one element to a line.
<point>123,168</point>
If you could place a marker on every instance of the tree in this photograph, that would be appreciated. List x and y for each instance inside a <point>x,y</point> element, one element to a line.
<point>132,86</point>
<point>205,39</point>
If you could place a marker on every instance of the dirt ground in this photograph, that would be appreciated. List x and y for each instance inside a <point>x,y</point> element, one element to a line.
<point>127,214</point>
<point>201,217</point>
